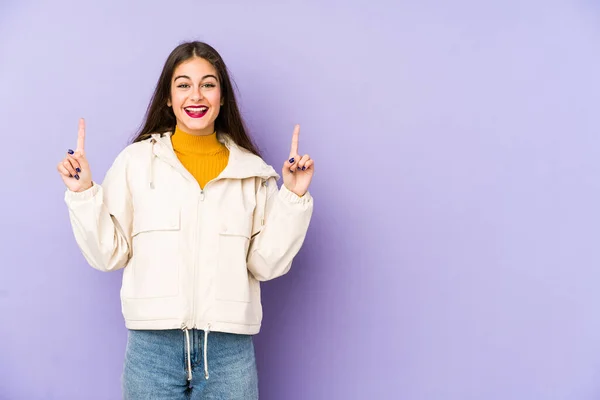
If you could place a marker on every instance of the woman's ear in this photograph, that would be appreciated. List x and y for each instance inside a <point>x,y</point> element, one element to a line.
<point>169,102</point>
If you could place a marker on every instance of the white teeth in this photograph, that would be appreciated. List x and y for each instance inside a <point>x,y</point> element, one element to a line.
<point>196,109</point>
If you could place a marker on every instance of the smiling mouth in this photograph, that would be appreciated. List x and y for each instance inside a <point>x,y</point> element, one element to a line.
<point>196,112</point>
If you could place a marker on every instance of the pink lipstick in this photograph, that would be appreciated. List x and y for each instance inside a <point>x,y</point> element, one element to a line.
<point>196,111</point>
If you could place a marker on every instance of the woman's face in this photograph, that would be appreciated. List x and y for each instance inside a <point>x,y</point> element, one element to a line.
<point>195,96</point>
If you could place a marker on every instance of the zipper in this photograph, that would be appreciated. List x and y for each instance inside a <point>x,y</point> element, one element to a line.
<point>195,260</point>
<point>201,197</point>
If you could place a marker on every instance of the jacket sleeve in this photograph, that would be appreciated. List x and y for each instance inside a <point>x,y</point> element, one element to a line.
<point>101,218</point>
<point>284,225</point>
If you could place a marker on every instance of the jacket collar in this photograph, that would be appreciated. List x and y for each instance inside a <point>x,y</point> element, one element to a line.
<point>242,163</point>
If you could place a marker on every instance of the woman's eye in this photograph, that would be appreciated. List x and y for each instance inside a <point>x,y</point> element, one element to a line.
<point>209,85</point>
<point>183,85</point>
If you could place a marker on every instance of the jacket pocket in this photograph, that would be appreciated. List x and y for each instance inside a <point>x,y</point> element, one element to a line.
<point>156,257</point>
<point>232,272</point>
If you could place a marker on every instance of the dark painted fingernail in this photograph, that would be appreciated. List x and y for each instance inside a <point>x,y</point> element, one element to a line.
<point>78,169</point>
<point>76,176</point>
<point>71,151</point>
<point>303,168</point>
<point>292,160</point>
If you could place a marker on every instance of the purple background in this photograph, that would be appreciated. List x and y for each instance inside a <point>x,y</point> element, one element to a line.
<point>454,248</point>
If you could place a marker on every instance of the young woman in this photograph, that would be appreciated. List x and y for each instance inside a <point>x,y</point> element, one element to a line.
<point>196,220</point>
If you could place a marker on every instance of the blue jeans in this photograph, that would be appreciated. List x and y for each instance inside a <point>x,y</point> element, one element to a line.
<point>157,367</point>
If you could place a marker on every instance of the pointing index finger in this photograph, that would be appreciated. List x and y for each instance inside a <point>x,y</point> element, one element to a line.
<point>295,136</point>
<point>81,135</point>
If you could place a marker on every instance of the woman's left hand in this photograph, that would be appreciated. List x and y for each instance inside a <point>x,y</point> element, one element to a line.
<point>297,170</point>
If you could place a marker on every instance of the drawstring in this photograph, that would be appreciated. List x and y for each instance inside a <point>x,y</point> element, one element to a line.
<point>153,141</point>
<point>189,357</point>
<point>206,351</point>
<point>188,351</point>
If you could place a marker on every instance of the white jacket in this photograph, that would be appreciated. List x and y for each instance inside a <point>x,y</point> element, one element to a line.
<point>192,258</point>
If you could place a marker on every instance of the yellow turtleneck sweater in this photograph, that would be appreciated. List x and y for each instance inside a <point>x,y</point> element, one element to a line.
<point>204,156</point>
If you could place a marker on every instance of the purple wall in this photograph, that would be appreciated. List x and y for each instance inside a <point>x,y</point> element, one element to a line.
<point>454,248</point>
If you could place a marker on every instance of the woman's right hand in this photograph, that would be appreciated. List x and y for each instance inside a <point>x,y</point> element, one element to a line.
<point>74,168</point>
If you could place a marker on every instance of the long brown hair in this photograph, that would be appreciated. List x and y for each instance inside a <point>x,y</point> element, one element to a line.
<point>159,116</point>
